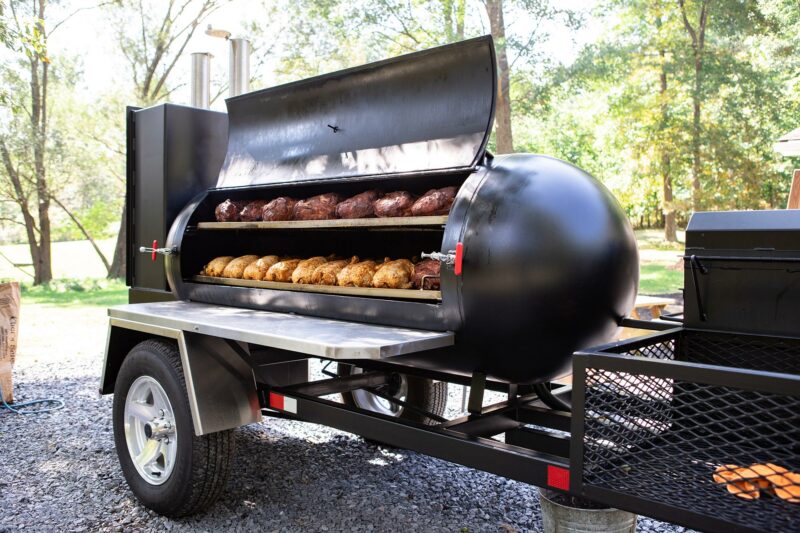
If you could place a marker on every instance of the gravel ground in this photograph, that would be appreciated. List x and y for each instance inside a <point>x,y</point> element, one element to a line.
<point>59,471</point>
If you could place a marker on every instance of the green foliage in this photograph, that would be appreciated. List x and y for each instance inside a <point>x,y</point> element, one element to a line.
<point>99,292</point>
<point>607,112</point>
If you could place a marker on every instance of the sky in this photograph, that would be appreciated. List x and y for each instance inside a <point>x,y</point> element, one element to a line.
<point>87,36</point>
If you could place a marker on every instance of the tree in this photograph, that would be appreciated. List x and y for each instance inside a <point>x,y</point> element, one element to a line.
<point>697,36</point>
<point>504,137</point>
<point>152,46</point>
<point>24,161</point>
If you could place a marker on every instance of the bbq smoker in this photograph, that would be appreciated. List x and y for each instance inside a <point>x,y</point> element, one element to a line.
<point>499,268</point>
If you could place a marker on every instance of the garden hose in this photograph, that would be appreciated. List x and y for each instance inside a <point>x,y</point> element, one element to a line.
<point>54,404</point>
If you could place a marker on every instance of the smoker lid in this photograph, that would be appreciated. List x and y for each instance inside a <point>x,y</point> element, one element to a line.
<point>765,231</point>
<point>430,110</point>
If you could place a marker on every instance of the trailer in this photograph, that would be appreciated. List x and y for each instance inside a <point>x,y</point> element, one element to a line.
<point>529,272</point>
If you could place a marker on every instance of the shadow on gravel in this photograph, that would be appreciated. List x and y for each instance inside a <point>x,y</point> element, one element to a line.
<point>59,471</point>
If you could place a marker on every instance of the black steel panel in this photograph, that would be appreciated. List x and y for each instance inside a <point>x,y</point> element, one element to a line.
<point>173,153</point>
<point>148,204</point>
<point>430,110</point>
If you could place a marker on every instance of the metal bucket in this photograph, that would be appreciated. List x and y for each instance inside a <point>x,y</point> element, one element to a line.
<point>557,518</point>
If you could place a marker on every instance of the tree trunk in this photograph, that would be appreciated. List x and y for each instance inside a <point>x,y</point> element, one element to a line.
<point>667,207</point>
<point>117,269</point>
<point>42,266</point>
<point>698,41</point>
<point>504,137</point>
<point>696,162</point>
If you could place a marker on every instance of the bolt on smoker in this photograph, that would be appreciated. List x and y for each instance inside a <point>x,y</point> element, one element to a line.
<point>533,260</point>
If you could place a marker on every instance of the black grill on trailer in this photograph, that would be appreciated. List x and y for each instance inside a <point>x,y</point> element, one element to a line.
<point>534,250</point>
<point>655,418</point>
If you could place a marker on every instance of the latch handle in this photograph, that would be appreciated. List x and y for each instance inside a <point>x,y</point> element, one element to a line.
<point>156,250</point>
<point>451,258</point>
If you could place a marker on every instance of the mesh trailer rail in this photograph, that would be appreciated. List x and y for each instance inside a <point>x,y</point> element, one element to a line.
<point>700,424</point>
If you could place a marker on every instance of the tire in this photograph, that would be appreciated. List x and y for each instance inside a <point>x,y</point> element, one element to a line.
<point>190,472</point>
<point>422,393</point>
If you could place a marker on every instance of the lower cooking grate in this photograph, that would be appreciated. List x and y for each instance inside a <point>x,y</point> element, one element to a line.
<point>658,429</point>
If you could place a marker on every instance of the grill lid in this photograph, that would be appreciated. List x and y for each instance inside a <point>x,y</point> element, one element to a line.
<point>430,110</point>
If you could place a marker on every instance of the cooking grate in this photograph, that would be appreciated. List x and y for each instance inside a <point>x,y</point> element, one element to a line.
<point>657,430</point>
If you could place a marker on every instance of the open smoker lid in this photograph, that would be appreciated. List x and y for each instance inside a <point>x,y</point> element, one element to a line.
<point>430,110</point>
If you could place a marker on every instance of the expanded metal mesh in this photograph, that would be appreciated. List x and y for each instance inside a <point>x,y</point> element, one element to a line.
<point>724,452</point>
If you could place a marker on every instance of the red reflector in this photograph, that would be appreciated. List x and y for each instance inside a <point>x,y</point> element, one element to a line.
<point>276,401</point>
<point>557,477</point>
<point>153,255</point>
<point>459,258</point>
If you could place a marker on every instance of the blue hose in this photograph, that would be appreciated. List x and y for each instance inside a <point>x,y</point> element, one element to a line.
<point>15,407</point>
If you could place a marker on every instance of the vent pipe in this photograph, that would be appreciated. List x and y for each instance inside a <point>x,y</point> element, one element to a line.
<point>239,67</point>
<point>201,79</point>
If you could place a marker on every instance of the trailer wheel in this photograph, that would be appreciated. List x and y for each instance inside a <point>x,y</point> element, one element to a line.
<point>424,394</point>
<point>169,469</point>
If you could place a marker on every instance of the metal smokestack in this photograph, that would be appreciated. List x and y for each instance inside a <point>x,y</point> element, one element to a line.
<point>201,79</point>
<point>239,67</point>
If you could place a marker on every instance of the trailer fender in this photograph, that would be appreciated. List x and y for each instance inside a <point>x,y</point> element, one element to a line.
<point>219,381</point>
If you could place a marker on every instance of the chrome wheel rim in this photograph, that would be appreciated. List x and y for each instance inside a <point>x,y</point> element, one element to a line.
<point>372,402</point>
<point>150,430</point>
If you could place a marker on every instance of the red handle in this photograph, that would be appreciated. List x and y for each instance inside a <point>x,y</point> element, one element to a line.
<point>459,258</point>
<point>155,245</point>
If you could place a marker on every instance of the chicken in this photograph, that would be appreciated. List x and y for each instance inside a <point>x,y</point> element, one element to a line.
<point>252,211</point>
<point>228,211</point>
<point>282,270</point>
<point>394,274</point>
<point>280,208</point>
<point>325,274</point>
<point>217,265</point>
<point>235,269</point>
<point>356,274</point>
<point>320,207</point>
<point>305,269</point>
<point>434,202</point>
<point>358,206</point>
<point>394,204</point>
<point>258,269</point>
<point>427,275</point>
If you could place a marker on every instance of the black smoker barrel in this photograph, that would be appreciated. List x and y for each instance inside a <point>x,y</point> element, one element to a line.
<point>538,259</point>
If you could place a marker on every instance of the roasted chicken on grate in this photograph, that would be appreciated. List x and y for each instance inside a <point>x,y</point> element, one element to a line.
<point>320,207</point>
<point>394,204</point>
<point>228,211</point>
<point>216,266</point>
<point>252,211</point>
<point>282,270</point>
<point>358,206</point>
<point>427,274</point>
<point>434,202</point>
<point>280,208</point>
<point>325,274</point>
<point>304,272</point>
<point>394,274</point>
<point>357,274</point>
<point>258,269</point>
<point>235,269</point>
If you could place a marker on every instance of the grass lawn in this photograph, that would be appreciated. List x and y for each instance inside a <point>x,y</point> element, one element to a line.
<point>660,266</point>
<point>67,292</point>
